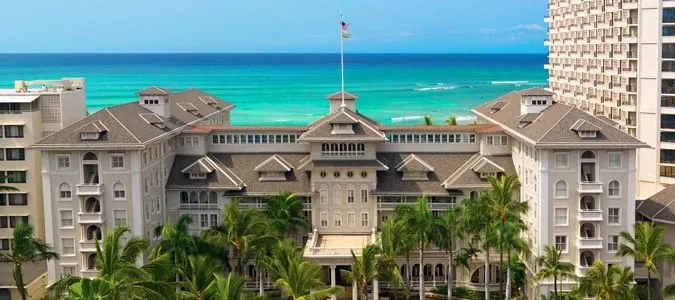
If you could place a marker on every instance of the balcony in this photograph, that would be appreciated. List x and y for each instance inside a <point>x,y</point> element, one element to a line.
<point>590,215</point>
<point>90,218</point>
<point>89,273</point>
<point>88,245</point>
<point>94,189</point>
<point>581,271</point>
<point>640,271</point>
<point>589,243</point>
<point>590,187</point>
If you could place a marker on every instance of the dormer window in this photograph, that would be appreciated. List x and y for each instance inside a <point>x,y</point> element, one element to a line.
<point>273,169</point>
<point>585,129</point>
<point>343,129</point>
<point>588,134</point>
<point>539,102</point>
<point>485,175</point>
<point>89,136</point>
<point>415,175</point>
<point>414,168</point>
<point>197,175</point>
<point>273,176</point>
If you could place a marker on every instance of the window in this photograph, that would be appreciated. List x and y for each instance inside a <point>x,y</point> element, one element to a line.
<point>614,189</point>
<point>364,195</point>
<point>197,175</point>
<point>64,191</point>
<point>68,271</point>
<point>336,194</point>
<point>120,216</point>
<point>497,140</point>
<point>68,246</point>
<point>613,216</point>
<point>350,195</point>
<point>351,219</point>
<point>147,212</point>
<point>4,244</point>
<point>16,176</point>
<point>204,220</point>
<point>561,216</point>
<point>561,189</point>
<point>119,192</point>
<point>15,154</point>
<point>4,222</point>
<point>323,219</point>
<point>343,149</point>
<point>66,218</point>
<point>614,159</point>
<point>337,220</point>
<point>117,161</point>
<point>561,242</point>
<point>213,220</point>
<point>189,141</point>
<point>364,219</point>
<point>13,131</point>
<point>613,243</point>
<point>145,186</point>
<point>562,160</point>
<point>18,199</point>
<point>13,220</point>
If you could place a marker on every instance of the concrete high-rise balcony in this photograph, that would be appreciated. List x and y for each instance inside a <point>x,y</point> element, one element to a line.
<point>589,187</point>
<point>90,218</point>
<point>89,189</point>
<point>589,243</point>
<point>590,215</point>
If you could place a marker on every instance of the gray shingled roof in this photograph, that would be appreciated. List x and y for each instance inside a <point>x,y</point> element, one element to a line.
<point>130,124</point>
<point>348,163</point>
<point>584,125</point>
<point>553,127</point>
<point>485,165</point>
<point>241,166</point>
<point>338,96</point>
<point>415,164</point>
<point>202,165</point>
<point>660,206</point>
<point>364,130</point>
<point>275,163</point>
<point>536,91</point>
<point>154,91</point>
<point>467,177</point>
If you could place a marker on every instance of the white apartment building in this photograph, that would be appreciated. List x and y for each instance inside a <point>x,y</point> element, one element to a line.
<point>169,154</point>
<point>28,112</point>
<point>616,58</point>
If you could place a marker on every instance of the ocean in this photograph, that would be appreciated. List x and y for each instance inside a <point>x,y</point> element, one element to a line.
<point>290,89</point>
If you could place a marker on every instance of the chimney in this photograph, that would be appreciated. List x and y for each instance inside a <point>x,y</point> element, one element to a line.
<point>535,100</point>
<point>156,99</point>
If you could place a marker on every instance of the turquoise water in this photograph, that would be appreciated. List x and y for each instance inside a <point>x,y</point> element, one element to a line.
<point>291,88</point>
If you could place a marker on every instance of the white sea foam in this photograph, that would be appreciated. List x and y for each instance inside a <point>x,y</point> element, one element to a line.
<point>515,82</point>
<point>408,118</point>
<point>465,118</point>
<point>436,88</point>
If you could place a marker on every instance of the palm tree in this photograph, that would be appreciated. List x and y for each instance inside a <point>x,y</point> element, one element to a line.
<point>392,245</point>
<point>364,268</point>
<point>445,240</point>
<point>241,230</point>
<point>301,279</point>
<point>550,265</point>
<point>197,276</point>
<point>397,241</point>
<point>88,289</point>
<point>285,213</point>
<point>503,203</point>
<point>117,267</point>
<point>428,121</point>
<point>227,288</point>
<point>613,283</point>
<point>6,188</point>
<point>514,243</point>
<point>647,245</point>
<point>452,121</point>
<point>25,249</point>
<point>176,241</point>
<point>423,226</point>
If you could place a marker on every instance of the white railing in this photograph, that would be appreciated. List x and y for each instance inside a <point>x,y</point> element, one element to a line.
<point>589,243</point>
<point>339,251</point>
<point>590,215</point>
<point>590,187</point>
<point>198,206</point>
<point>95,189</point>
<point>89,245</point>
<point>88,218</point>
<point>255,284</point>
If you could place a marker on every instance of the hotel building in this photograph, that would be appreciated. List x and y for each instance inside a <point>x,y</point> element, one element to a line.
<point>30,111</point>
<point>616,59</point>
<point>173,153</point>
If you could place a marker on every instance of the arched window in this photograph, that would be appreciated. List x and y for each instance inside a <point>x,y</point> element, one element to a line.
<point>193,198</point>
<point>213,198</point>
<point>90,156</point>
<point>588,155</point>
<point>614,189</point>
<point>92,205</point>
<point>323,193</point>
<point>184,197</point>
<point>334,147</point>
<point>94,232</point>
<point>336,194</point>
<point>561,189</point>
<point>587,258</point>
<point>203,198</point>
<point>119,191</point>
<point>91,261</point>
<point>352,147</point>
<point>473,195</point>
<point>343,147</point>
<point>64,191</point>
<point>361,147</point>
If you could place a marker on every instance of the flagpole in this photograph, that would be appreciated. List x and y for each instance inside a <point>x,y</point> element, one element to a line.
<point>342,64</point>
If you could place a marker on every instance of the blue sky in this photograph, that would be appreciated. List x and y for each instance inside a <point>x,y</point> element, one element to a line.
<point>413,26</point>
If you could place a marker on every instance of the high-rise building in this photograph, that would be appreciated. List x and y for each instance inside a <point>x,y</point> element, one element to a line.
<point>28,112</point>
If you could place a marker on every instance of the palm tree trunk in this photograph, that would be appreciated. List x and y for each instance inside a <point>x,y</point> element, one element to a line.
<point>421,273</point>
<point>449,273</point>
<point>18,279</point>
<point>555,287</point>
<point>508,274</point>
<point>487,274</point>
<point>649,285</point>
<point>501,259</point>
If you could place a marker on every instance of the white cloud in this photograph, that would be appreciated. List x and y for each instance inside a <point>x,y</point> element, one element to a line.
<point>535,27</point>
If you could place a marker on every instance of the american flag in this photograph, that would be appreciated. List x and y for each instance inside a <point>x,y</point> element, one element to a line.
<point>344,26</point>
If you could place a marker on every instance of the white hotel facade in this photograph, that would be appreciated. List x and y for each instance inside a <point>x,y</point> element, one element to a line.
<point>171,153</point>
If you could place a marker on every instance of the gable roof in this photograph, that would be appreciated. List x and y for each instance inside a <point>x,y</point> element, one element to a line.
<point>467,176</point>
<point>584,125</point>
<point>485,165</point>
<point>364,129</point>
<point>552,128</point>
<point>130,125</point>
<point>338,96</point>
<point>275,163</point>
<point>202,165</point>
<point>536,91</point>
<point>660,206</point>
<point>415,164</point>
<point>154,91</point>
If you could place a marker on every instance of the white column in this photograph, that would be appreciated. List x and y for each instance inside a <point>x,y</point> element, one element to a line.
<point>433,274</point>
<point>376,290</point>
<point>355,291</point>
<point>332,280</point>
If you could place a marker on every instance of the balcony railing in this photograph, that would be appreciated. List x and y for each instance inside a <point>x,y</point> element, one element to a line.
<point>332,251</point>
<point>89,245</point>
<point>90,218</point>
<point>590,187</point>
<point>95,189</point>
<point>588,243</point>
<point>590,215</point>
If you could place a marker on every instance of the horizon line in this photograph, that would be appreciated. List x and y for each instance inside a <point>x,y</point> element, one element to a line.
<point>270,53</point>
